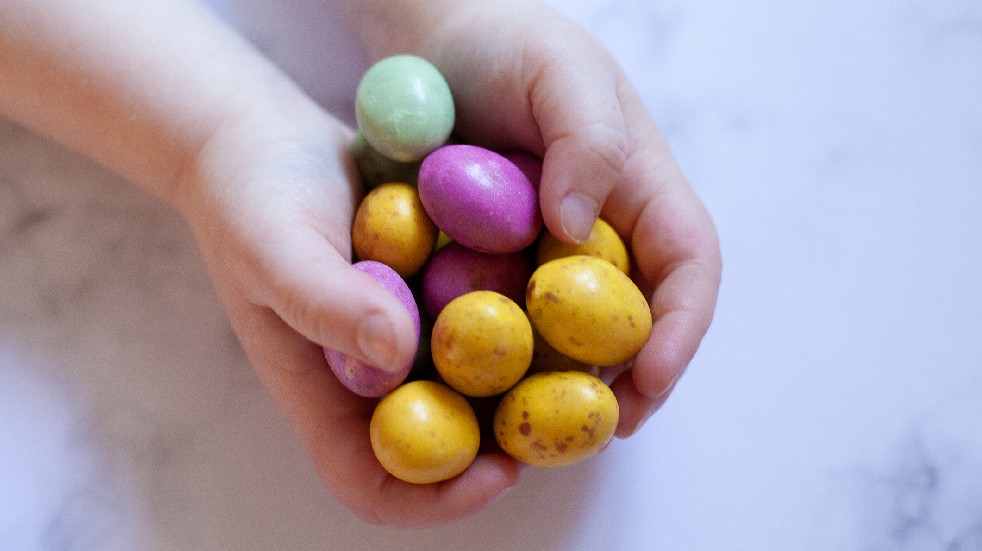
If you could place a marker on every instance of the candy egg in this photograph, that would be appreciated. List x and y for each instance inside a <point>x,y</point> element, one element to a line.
<point>547,358</point>
<point>482,343</point>
<point>404,107</point>
<point>603,242</point>
<point>392,227</point>
<point>556,418</point>
<point>480,199</point>
<point>529,164</point>
<point>424,432</point>
<point>456,270</point>
<point>587,309</point>
<point>359,377</point>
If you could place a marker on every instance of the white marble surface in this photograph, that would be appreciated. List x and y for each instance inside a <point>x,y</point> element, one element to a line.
<point>835,404</point>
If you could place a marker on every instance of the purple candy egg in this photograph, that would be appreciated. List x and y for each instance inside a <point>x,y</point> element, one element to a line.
<point>480,199</point>
<point>529,164</point>
<point>456,270</point>
<point>359,377</point>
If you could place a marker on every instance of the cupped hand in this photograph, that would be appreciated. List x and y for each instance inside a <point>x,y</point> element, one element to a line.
<point>270,200</point>
<point>532,80</point>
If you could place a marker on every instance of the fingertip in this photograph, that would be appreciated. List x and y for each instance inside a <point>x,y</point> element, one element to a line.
<point>489,478</point>
<point>644,389</point>
<point>632,405</point>
<point>384,328</point>
<point>383,344</point>
<point>580,170</point>
<point>577,215</point>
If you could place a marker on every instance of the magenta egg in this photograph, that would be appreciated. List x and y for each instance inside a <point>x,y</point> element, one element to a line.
<point>529,164</point>
<point>357,376</point>
<point>456,270</point>
<point>480,199</point>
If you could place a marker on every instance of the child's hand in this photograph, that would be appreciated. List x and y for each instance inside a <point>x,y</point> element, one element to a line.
<point>190,112</point>
<point>271,202</point>
<point>525,78</point>
<point>263,177</point>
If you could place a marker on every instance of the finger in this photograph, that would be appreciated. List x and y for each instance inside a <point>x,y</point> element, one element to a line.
<point>419,506</point>
<point>333,426</point>
<point>583,132</point>
<point>675,337</point>
<point>682,260</point>
<point>635,408</point>
<point>317,292</point>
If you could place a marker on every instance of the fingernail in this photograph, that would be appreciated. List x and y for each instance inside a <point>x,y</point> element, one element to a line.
<point>375,340</point>
<point>671,384</point>
<point>578,214</point>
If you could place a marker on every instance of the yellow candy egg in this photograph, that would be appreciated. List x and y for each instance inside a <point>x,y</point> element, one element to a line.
<point>587,309</point>
<point>482,343</point>
<point>603,243</point>
<point>391,227</point>
<point>547,358</point>
<point>556,418</point>
<point>424,432</point>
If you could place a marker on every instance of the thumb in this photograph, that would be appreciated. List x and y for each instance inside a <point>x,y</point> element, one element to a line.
<point>576,106</point>
<point>322,297</point>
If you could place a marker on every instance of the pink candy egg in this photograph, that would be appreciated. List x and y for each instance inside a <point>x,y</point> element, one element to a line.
<point>359,377</point>
<point>529,164</point>
<point>480,199</point>
<point>456,270</point>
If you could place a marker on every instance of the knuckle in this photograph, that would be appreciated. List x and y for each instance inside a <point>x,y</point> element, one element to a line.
<point>605,145</point>
<point>296,308</point>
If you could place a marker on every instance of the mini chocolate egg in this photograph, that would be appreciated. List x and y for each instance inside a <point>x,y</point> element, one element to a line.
<point>357,376</point>
<point>529,164</point>
<point>404,107</point>
<point>603,242</point>
<point>456,270</point>
<point>480,199</point>
<point>424,432</point>
<point>556,418</point>
<point>482,343</point>
<point>392,227</point>
<point>547,358</point>
<point>587,309</point>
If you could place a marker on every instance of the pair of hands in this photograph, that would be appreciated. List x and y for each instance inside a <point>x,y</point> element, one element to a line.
<point>271,198</point>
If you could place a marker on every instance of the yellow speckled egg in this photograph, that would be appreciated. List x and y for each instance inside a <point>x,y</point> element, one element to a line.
<point>603,243</point>
<point>482,343</point>
<point>547,358</point>
<point>587,309</point>
<point>556,418</point>
<point>424,432</point>
<point>391,227</point>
